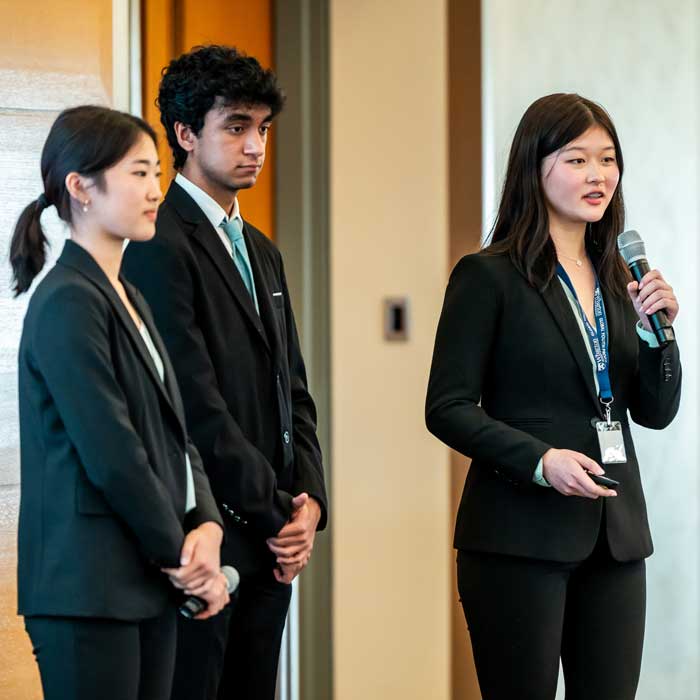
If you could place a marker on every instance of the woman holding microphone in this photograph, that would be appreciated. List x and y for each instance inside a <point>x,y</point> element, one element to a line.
<point>110,483</point>
<point>543,350</point>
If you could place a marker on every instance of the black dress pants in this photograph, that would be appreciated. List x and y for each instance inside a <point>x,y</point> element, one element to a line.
<point>99,659</point>
<point>524,615</point>
<point>234,655</point>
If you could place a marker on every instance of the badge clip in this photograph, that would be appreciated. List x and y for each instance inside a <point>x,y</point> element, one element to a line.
<point>608,410</point>
<point>610,437</point>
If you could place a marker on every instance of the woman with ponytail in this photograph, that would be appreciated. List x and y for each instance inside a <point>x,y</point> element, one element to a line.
<point>110,483</point>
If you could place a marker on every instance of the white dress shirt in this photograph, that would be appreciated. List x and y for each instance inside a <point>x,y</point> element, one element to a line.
<point>212,209</point>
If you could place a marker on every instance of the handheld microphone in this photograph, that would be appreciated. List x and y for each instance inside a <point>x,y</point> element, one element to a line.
<point>193,605</point>
<point>631,247</point>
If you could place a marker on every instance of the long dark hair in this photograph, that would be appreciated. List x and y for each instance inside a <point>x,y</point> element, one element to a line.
<point>87,140</point>
<point>521,229</point>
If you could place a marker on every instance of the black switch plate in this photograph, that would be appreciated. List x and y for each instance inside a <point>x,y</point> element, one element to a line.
<point>396,318</point>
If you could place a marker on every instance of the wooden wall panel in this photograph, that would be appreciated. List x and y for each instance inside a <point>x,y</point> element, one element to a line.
<point>19,677</point>
<point>171,27</point>
<point>157,49</point>
<point>464,149</point>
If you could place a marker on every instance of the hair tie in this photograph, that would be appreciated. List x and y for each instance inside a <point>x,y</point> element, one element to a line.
<point>42,202</point>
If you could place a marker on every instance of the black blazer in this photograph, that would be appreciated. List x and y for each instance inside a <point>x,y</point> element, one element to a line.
<point>242,375</point>
<point>511,377</point>
<point>103,482</point>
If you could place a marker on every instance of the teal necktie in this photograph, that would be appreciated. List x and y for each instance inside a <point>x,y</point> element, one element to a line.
<point>234,231</point>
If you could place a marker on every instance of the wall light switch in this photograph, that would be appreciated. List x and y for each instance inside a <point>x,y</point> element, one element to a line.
<point>396,320</point>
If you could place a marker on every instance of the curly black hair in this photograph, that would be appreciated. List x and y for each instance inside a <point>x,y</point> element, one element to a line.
<point>192,83</point>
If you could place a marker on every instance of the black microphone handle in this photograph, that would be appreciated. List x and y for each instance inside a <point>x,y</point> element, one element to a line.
<point>658,320</point>
<point>192,607</point>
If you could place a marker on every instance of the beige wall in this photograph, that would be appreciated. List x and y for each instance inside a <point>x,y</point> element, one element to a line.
<point>389,236</point>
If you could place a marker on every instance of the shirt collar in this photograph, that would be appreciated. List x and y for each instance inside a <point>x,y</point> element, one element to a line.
<point>211,208</point>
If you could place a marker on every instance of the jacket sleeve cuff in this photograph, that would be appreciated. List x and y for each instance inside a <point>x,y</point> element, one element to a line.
<point>324,512</point>
<point>647,336</point>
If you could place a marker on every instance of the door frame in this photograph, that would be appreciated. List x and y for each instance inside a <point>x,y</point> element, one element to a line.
<point>301,44</point>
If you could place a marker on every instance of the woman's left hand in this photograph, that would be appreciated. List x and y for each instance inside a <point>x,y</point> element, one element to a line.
<point>651,295</point>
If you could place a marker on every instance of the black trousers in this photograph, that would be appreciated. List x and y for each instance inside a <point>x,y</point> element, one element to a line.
<point>234,655</point>
<point>524,615</point>
<point>90,658</point>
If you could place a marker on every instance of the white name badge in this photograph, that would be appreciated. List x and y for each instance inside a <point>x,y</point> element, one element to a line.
<point>611,441</point>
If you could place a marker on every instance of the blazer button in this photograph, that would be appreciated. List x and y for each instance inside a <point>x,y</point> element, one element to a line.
<point>286,437</point>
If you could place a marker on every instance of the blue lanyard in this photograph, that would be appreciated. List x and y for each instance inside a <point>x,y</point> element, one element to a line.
<point>597,336</point>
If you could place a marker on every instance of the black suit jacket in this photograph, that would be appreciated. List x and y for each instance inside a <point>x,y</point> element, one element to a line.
<point>511,377</point>
<point>242,375</point>
<point>103,441</point>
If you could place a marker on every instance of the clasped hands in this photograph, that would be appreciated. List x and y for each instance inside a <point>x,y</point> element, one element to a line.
<point>294,542</point>
<point>199,573</point>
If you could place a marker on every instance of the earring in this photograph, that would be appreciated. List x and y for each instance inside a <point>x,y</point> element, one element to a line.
<point>85,206</point>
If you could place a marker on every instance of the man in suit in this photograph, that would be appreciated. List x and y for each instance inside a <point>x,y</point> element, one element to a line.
<point>219,296</point>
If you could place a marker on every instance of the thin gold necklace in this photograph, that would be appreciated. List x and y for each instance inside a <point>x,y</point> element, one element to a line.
<point>578,261</point>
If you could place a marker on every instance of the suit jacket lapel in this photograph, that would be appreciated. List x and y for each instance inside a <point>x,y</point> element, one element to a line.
<point>205,235</point>
<point>79,259</point>
<point>558,305</point>
<point>267,313</point>
<point>170,379</point>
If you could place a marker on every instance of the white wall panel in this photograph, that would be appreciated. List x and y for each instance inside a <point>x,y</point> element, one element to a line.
<point>639,59</point>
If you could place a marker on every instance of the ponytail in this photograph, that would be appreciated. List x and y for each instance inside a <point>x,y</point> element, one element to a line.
<point>28,246</point>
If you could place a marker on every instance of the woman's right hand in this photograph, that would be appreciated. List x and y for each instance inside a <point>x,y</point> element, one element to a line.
<point>566,471</point>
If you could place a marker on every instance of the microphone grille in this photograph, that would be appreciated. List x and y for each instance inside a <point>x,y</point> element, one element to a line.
<point>232,577</point>
<point>631,246</point>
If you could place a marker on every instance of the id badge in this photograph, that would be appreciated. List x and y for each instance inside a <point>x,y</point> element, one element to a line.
<point>611,441</point>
